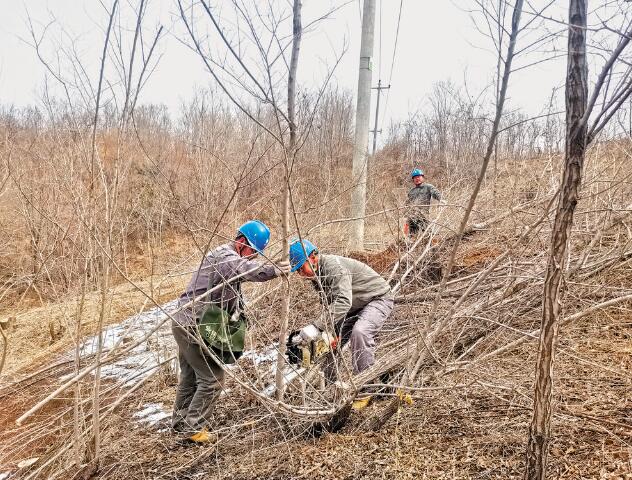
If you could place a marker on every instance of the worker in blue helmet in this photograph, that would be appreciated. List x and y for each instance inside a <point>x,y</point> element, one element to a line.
<point>211,319</point>
<point>357,299</point>
<point>418,202</point>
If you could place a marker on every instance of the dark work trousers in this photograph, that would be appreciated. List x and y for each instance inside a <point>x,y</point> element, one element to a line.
<point>360,328</point>
<point>200,382</point>
<point>417,225</point>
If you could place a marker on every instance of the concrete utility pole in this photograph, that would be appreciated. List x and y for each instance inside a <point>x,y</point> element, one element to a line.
<point>375,131</point>
<point>363,113</point>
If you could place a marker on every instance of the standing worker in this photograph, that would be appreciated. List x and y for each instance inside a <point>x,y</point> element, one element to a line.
<point>216,319</point>
<point>418,200</point>
<point>359,300</point>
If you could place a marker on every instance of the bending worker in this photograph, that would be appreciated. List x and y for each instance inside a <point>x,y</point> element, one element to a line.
<point>419,198</point>
<point>359,300</point>
<point>220,313</point>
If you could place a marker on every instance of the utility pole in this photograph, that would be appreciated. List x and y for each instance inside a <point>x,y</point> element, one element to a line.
<point>363,114</point>
<point>375,131</point>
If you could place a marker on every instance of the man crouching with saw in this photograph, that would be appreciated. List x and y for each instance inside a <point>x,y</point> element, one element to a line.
<point>358,301</point>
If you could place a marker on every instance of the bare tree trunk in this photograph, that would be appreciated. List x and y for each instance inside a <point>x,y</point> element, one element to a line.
<point>99,91</point>
<point>78,442</point>
<point>96,426</point>
<point>290,153</point>
<point>96,415</point>
<point>576,104</point>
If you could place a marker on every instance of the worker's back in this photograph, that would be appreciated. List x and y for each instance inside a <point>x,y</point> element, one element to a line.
<point>346,276</point>
<point>217,267</point>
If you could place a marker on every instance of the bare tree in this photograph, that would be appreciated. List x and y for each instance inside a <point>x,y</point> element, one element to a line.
<point>579,107</point>
<point>291,151</point>
<point>260,83</point>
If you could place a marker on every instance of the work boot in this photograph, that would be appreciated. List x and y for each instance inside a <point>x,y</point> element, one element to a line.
<point>180,427</point>
<point>203,436</point>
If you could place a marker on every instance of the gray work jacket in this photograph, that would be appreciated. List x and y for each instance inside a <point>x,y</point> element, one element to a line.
<point>419,197</point>
<point>217,268</point>
<point>347,286</point>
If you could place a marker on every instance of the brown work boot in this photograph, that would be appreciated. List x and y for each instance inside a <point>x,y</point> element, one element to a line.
<point>203,436</point>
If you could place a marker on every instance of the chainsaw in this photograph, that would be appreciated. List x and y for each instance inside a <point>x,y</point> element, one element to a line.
<point>307,346</point>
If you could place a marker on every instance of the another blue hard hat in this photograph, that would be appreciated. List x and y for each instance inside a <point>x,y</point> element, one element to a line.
<point>257,233</point>
<point>417,173</point>
<point>299,253</point>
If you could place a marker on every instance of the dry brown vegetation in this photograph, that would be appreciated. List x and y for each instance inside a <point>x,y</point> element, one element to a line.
<point>104,212</point>
<point>469,416</point>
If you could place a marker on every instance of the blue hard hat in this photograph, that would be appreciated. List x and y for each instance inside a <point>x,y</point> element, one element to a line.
<point>299,253</point>
<point>417,172</point>
<point>257,233</point>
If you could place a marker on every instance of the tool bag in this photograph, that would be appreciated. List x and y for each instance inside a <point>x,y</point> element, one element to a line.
<point>223,333</point>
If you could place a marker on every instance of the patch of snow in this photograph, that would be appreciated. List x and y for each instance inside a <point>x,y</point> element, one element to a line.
<point>138,362</point>
<point>152,413</point>
<point>28,462</point>
<point>269,355</point>
<point>5,475</point>
<point>290,374</point>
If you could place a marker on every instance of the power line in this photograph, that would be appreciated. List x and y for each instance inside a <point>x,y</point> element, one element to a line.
<point>390,76</point>
<point>380,64</point>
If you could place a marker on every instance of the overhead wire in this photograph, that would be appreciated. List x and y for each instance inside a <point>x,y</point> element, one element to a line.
<point>390,75</point>
<point>380,47</point>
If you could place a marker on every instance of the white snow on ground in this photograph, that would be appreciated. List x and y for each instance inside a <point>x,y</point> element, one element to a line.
<point>137,363</point>
<point>5,475</point>
<point>269,355</point>
<point>133,367</point>
<point>152,413</point>
<point>290,374</point>
<point>28,462</point>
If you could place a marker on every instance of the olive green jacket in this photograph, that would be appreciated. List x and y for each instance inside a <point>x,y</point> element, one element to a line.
<point>346,286</point>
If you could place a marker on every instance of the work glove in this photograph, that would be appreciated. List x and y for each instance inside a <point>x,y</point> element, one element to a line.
<point>283,266</point>
<point>306,335</point>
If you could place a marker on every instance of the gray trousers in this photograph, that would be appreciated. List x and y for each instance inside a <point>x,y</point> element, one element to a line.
<point>360,328</point>
<point>199,386</point>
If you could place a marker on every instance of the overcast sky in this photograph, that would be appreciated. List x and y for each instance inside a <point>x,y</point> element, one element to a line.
<point>437,41</point>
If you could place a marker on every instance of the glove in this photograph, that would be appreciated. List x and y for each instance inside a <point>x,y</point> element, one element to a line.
<point>306,335</point>
<point>283,266</point>
<point>334,343</point>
